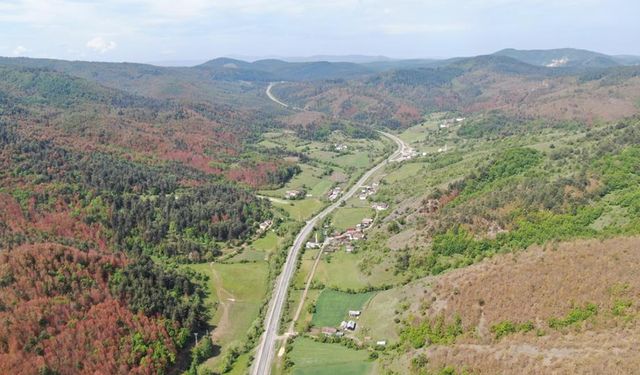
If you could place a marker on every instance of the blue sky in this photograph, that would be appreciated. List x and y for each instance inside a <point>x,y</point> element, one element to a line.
<point>159,30</point>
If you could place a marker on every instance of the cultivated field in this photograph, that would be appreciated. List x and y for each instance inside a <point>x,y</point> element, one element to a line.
<point>332,307</point>
<point>314,358</point>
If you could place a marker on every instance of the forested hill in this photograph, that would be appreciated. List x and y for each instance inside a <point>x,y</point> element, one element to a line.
<point>94,183</point>
<point>402,97</point>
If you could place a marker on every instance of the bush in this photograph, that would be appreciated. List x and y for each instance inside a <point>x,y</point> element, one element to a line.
<point>432,332</point>
<point>508,327</point>
<point>577,314</point>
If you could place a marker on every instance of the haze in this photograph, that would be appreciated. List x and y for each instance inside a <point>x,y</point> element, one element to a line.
<point>197,30</point>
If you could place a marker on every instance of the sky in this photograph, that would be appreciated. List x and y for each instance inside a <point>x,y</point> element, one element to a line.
<point>182,30</point>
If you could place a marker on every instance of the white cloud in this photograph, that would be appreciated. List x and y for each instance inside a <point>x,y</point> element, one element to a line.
<point>101,45</point>
<point>19,51</point>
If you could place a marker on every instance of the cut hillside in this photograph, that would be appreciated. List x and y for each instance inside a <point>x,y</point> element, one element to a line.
<point>564,309</point>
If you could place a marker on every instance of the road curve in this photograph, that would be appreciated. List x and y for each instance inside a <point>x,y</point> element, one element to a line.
<point>272,97</point>
<point>266,349</point>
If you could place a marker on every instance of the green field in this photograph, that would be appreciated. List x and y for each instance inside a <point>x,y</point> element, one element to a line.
<point>238,289</point>
<point>260,248</point>
<point>301,209</point>
<point>347,217</point>
<point>333,307</point>
<point>314,358</point>
<point>343,271</point>
<point>405,171</point>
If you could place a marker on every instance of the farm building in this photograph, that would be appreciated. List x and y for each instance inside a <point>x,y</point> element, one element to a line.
<point>293,194</point>
<point>380,206</point>
<point>265,225</point>
<point>329,331</point>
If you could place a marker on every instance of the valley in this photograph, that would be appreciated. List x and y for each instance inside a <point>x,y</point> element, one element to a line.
<point>474,215</point>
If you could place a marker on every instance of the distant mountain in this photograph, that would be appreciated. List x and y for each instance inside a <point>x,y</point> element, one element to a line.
<point>441,72</point>
<point>627,59</point>
<point>381,66</point>
<point>563,57</point>
<point>176,63</point>
<point>356,59</point>
<point>274,70</point>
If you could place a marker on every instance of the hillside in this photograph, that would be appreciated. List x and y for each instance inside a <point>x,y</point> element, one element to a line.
<point>507,247</point>
<point>567,309</point>
<point>402,97</point>
<point>562,57</point>
<point>278,70</point>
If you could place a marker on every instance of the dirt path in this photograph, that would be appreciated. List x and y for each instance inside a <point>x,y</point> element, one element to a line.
<point>306,290</point>
<point>225,300</point>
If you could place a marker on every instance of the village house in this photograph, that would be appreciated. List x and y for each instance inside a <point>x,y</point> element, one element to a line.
<point>351,325</point>
<point>366,190</point>
<point>351,234</point>
<point>265,225</point>
<point>366,222</point>
<point>312,245</point>
<point>354,313</point>
<point>349,248</point>
<point>335,193</point>
<point>329,331</point>
<point>293,194</point>
<point>380,206</point>
<point>340,147</point>
<point>447,123</point>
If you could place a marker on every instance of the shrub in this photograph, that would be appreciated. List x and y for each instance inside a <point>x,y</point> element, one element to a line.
<point>577,314</point>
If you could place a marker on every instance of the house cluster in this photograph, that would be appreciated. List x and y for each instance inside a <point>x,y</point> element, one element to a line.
<point>293,194</point>
<point>334,193</point>
<point>340,147</point>
<point>380,206</point>
<point>351,234</point>
<point>345,325</point>
<point>407,154</point>
<point>348,325</point>
<point>447,123</point>
<point>366,190</point>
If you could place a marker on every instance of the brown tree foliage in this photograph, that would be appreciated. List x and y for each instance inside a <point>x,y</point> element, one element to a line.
<point>57,314</point>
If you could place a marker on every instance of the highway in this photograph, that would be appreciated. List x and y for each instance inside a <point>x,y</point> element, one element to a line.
<point>266,349</point>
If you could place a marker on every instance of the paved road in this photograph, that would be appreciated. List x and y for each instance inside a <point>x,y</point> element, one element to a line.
<point>273,98</point>
<point>266,349</point>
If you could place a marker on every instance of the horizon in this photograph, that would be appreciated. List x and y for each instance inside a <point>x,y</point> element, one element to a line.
<point>301,59</point>
<point>145,31</point>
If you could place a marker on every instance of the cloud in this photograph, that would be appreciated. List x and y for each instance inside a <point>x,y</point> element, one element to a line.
<point>101,45</point>
<point>19,51</point>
